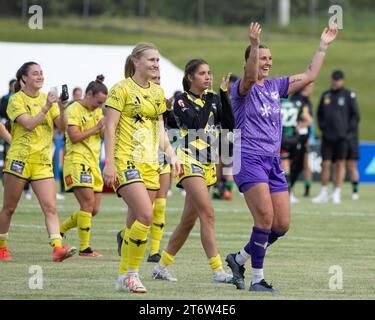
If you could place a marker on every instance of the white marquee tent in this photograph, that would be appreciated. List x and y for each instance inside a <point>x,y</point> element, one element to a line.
<point>77,64</point>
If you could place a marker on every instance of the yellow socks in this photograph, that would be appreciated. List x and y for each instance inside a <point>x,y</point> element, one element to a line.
<point>69,223</point>
<point>158,223</point>
<point>137,244</point>
<point>124,250</point>
<point>215,263</point>
<point>81,220</point>
<point>166,259</point>
<point>4,240</point>
<point>55,240</point>
<point>84,229</point>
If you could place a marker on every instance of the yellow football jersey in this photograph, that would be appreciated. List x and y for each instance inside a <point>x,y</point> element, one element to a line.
<point>137,133</point>
<point>31,146</point>
<point>88,150</point>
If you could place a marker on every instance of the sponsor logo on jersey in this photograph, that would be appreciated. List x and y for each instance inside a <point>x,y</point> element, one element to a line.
<point>17,167</point>
<point>85,178</point>
<point>113,95</point>
<point>265,110</point>
<point>132,175</point>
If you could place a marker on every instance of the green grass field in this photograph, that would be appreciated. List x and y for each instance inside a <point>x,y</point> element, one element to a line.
<point>298,265</point>
<point>223,48</point>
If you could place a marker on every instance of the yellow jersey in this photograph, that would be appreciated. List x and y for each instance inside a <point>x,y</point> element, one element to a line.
<point>137,133</point>
<point>88,150</point>
<point>31,146</point>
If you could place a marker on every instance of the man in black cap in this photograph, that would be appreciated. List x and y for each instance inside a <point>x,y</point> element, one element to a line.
<point>338,118</point>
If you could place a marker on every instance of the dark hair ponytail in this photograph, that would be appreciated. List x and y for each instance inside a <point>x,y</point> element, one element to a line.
<point>22,72</point>
<point>190,68</point>
<point>97,86</point>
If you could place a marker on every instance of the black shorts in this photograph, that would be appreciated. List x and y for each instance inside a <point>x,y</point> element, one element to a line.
<point>353,150</point>
<point>337,150</point>
<point>287,151</point>
<point>289,146</point>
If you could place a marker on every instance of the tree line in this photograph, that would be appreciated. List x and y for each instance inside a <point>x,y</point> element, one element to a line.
<point>186,11</point>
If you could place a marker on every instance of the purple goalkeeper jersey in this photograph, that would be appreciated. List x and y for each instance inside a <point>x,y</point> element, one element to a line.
<point>258,116</point>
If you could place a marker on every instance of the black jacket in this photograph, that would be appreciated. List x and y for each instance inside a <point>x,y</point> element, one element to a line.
<point>189,116</point>
<point>338,115</point>
<point>202,119</point>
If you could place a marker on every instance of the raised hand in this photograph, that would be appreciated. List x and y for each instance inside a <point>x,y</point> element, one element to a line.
<point>254,33</point>
<point>225,82</point>
<point>329,35</point>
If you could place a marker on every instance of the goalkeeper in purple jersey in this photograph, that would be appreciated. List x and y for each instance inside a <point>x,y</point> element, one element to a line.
<point>256,164</point>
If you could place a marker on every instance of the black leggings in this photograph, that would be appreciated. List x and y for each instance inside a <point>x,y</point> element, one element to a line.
<point>297,159</point>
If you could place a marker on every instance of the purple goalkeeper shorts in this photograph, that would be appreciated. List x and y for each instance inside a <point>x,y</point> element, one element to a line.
<point>257,169</point>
